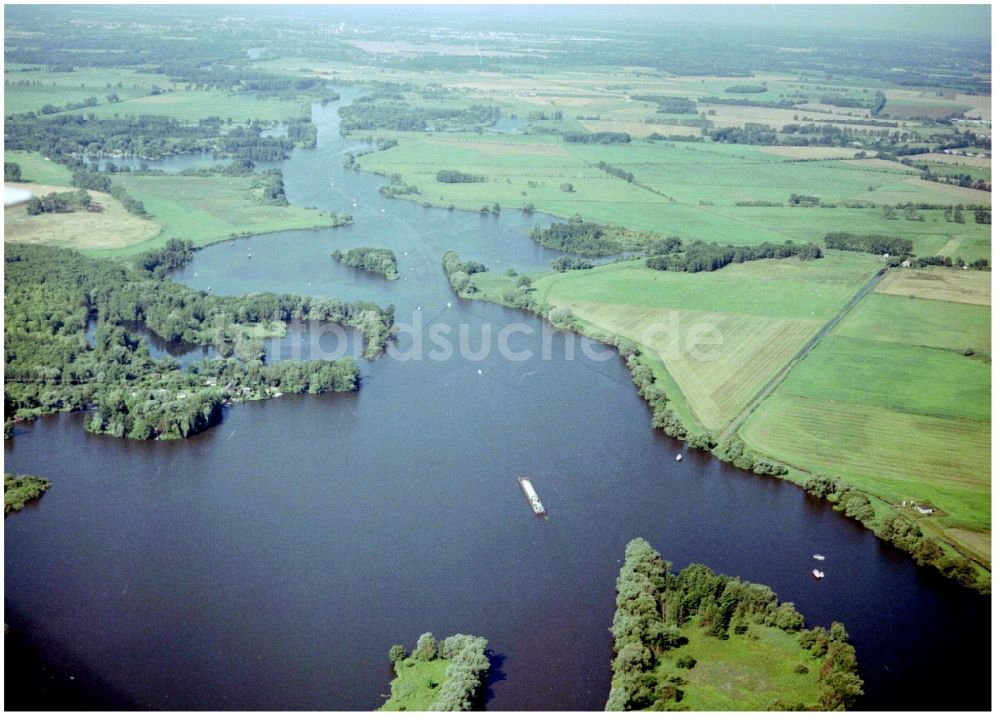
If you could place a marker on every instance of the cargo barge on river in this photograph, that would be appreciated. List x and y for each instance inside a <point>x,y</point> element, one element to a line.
<point>529,492</point>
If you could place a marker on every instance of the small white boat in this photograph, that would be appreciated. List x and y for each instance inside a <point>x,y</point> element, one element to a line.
<point>819,557</point>
<point>679,457</point>
<point>480,372</point>
<point>818,574</point>
<point>249,255</point>
<point>383,209</point>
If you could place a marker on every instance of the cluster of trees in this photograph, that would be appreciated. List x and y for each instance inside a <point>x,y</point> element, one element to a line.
<point>397,187</point>
<point>598,138</point>
<point>617,172</point>
<point>736,452</point>
<point>49,366</point>
<point>568,263</point>
<point>11,172</point>
<point>749,134</point>
<point>946,261</point>
<point>669,104</point>
<point>50,109</point>
<point>655,607</point>
<point>380,261</point>
<point>19,490</point>
<point>270,187</point>
<point>454,176</point>
<point>99,182</point>
<point>878,103</point>
<point>746,102</point>
<point>746,89</point>
<point>803,200</point>
<point>536,115</point>
<point>592,239</point>
<point>91,180</point>
<point>521,295</point>
<point>161,262</point>
<point>706,257</point>
<point>59,202</point>
<point>561,318</point>
<point>460,273</point>
<point>394,113</point>
<point>875,244</point>
<point>584,238</point>
<point>65,138</point>
<point>664,418</point>
<point>846,101</point>
<point>468,666</point>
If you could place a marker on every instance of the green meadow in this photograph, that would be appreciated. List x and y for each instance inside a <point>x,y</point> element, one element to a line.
<point>744,673</point>
<point>416,685</point>
<point>892,403</point>
<point>687,189</point>
<point>755,317</point>
<point>36,169</point>
<point>29,90</point>
<point>208,209</point>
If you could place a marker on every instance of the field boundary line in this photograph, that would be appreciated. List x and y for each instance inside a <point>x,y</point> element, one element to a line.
<point>782,373</point>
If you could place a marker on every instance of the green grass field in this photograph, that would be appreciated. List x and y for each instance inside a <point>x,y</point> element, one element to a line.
<point>781,288</point>
<point>694,188</point>
<point>29,91</point>
<point>976,173</point>
<point>715,338</point>
<point>896,377</point>
<point>919,322</point>
<point>894,455</point>
<point>109,228</point>
<point>416,684</point>
<point>948,285</point>
<point>890,403</point>
<point>192,105</point>
<point>744,673</point>
<point>36,169</point>
<point>134,91</point>
<point>201,209</point>
<point>210,209</point>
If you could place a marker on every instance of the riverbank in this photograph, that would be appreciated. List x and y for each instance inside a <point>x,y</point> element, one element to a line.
<point>695,395</point>
<point>205,209</point>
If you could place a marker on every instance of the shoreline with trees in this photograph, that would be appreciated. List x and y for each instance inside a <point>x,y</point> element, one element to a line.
<point>439,677</point>
<point>696,640</point>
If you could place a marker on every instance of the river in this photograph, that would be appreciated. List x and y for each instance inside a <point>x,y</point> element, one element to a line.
<point>271,562</point>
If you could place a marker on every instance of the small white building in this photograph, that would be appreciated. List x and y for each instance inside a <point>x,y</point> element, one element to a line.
<point>906,263</point>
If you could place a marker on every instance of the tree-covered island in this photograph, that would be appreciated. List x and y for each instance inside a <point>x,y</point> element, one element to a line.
<point>700,641</point>
<point>445,676</point>
<point>379,261</point>
<point>53,293</point>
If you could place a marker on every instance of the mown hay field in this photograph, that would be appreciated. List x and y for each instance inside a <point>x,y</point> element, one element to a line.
<point>960,286</point>
<point>108,227</point>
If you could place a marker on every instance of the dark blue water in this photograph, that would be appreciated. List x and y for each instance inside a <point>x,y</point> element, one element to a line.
<point>271,562</point>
